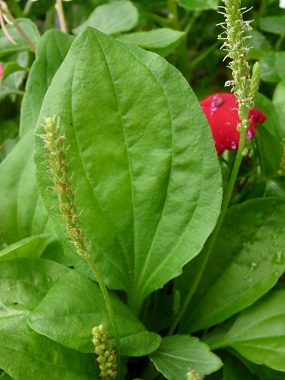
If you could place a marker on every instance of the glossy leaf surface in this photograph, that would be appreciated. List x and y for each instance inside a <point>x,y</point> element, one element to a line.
<point>258,333</point>
<point>247,260</point>
<point>143,161</point>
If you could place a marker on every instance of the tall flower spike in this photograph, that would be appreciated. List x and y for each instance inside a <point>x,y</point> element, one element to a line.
<point>107,356</point>
<point>54,143</point>
<point>237,51</point>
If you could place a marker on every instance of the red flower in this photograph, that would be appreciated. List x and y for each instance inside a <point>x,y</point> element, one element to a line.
<point>221,110</point>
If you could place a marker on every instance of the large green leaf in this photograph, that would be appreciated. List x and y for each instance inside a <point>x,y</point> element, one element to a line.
<point>258,333</point>
<point>198,4</point>
<point>179,354</point>
<point>247,260</point>
<point>75,305</point>
<point>143,162</point>
<point>23,284</point>
<point>116,17</point>
<point>30,28</point>
<point>51,50</point>
<point>21,208</point>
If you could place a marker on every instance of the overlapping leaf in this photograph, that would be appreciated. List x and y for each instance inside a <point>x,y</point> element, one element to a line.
<point>75,305</point>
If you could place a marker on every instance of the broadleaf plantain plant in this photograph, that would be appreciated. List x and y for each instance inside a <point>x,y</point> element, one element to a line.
<point>117,188</point>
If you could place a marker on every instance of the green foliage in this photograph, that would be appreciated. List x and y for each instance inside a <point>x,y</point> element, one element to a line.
<point>178,354</point>
<point>182,241</point>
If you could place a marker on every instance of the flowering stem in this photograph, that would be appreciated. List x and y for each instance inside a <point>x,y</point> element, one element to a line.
<point>54,143</point>
<point>241,83</point>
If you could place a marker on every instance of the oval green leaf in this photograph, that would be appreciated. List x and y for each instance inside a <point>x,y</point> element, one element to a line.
<point>143,161</point>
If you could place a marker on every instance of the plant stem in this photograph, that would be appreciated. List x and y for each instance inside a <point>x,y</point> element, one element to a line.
<point>234,30</point>
<point>211,241</point>
<point>173,14</point>
<point>61,18</point>
<point>61,179</point>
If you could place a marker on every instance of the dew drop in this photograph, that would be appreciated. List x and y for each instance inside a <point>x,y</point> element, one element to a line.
<point>263,256</point>
<point>278,258</point>
<point>253,266</point>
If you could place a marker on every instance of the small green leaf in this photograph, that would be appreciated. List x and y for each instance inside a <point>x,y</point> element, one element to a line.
<point>51,50</point>
<point>197,5</point>
<point>161,41</point>
<point>75,305</point>
<point>31,247</point>
<point>258,333</point>
<point>247,260</point>
<point>268,71</point>
<point>180,353</point>
<point>116,17</point>
<point>10,68</point>
<point>30,28</point>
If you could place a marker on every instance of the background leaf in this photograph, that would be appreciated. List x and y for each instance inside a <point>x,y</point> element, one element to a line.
<point>195,5</point>
<point>30,28</point>
<point>21,208</point>
<point>272,24</point>
<point>161,41</point>
<point>258,333</point>
<point>75,305</point>
<point>179,354</point>
<point>51,50</point>
<point>116,17</point>
<point>246,261</point>
<point>143,159</point>
<point>31,247</point>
